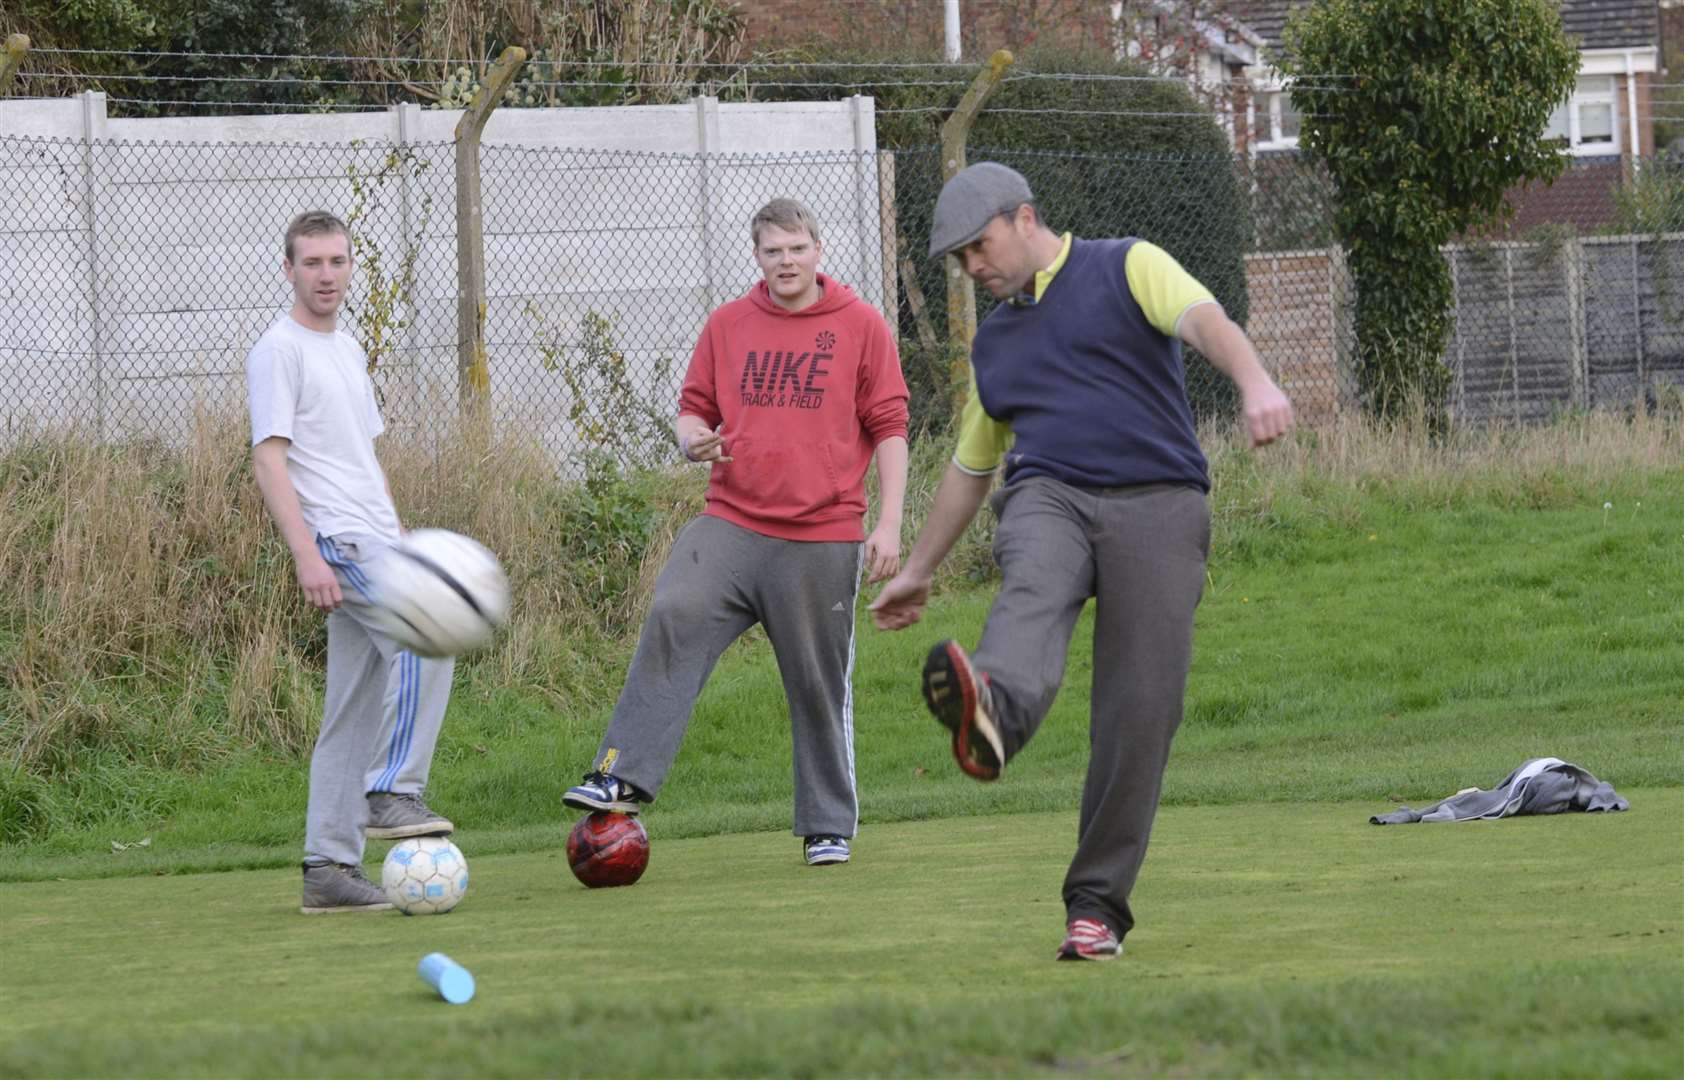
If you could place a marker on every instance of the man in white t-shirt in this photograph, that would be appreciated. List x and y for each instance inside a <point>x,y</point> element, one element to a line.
<point>313,424</point>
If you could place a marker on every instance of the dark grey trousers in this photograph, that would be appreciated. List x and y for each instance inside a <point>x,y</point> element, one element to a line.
<point>719,580</point>
<point>1140,553</point>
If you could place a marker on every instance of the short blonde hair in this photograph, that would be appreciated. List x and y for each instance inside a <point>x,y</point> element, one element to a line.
<point>786,214</point>
<point>314,223</point>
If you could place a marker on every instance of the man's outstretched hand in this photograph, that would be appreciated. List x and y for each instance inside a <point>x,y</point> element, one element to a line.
<point>901,603</point>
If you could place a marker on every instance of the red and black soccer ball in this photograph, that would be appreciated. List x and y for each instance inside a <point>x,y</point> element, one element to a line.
<point>606,849</point>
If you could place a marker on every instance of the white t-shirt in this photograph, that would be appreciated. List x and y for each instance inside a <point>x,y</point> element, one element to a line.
<point>313,389</point>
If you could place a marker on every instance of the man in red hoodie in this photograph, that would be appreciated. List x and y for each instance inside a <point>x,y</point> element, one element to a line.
<point>792,391</point>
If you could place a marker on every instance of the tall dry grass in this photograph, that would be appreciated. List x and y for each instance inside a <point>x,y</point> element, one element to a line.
<point>1588,449</point>
<point>151,611</point>
<point>1328,471</point>
<point>128,569</point>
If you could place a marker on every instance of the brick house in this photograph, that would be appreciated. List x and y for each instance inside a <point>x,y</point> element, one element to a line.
<point>918,26</point>
<point>1609,114</point>
<point>1190,39</point>
<point>1531,336</point>
<point>1221,45</point>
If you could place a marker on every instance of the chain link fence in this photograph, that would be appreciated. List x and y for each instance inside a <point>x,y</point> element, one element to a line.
<point>1581,303</point>
<point>137,275</point>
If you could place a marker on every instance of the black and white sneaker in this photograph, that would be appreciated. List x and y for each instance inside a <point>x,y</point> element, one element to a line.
<point>826,850</point>
<point>600,791</point>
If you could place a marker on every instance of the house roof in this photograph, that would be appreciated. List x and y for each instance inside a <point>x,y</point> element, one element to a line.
<point>1597,24</point>
<point>1612,24</point>
<point>1265,17</point>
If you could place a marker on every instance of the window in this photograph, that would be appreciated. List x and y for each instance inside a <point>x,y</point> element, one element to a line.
<point>1277,121</point>
<point>1287,118</point>
<point>1585,121</point>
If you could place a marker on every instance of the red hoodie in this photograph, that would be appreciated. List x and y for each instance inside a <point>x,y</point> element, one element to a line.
<point>805,397</point>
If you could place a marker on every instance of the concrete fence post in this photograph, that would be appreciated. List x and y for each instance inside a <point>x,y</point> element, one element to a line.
<point>865,192</point>
<point>888,225</point>
<point>1572,262</point>
<point>707,144</point>
<point>95,183</point>
<point>407,119</point>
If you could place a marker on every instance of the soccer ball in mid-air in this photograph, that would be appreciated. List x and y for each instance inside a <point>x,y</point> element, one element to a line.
<point>606,849</point>
<point>439,593</point>
<point>425,875</point>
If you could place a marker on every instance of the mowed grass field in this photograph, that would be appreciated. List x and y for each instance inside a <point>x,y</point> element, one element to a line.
<point>1369,637</point>
<point>1274,939</point>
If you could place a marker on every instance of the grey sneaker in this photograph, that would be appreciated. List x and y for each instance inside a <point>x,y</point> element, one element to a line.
<point>395,816</point>
<point>334,887</point>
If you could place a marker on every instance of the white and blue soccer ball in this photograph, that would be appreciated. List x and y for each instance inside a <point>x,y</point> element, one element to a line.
<point>439,593</point>
<point>425,875</point>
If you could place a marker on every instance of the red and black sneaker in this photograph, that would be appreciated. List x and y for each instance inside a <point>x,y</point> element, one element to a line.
<point>959,697</point>
<point>1089,939</point>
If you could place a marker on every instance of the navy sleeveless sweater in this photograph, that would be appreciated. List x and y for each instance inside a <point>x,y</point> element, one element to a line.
<point>1095,395</point>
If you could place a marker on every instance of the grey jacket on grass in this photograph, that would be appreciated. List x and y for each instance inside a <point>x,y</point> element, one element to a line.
<point>1540,786</point>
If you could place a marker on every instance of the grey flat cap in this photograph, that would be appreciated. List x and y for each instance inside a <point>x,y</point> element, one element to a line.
<point>974,197</point>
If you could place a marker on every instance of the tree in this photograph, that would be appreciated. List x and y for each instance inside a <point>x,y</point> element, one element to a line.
<point>136,46</point>
<point>306,53</point>
<point>1425,112</point>
<point>583,52</point>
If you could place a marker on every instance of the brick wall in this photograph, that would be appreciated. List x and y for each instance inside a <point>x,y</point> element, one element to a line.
<point>1295,322</point>
<point>1645,113</point>
<point>1583,197</point>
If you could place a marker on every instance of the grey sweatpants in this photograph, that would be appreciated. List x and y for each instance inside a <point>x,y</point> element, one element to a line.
<point>382,710</point>
<point>1140,553</point>
<point>719,580</point>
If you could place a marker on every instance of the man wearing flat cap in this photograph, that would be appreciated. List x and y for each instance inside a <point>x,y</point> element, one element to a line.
<point>1077,386</point>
